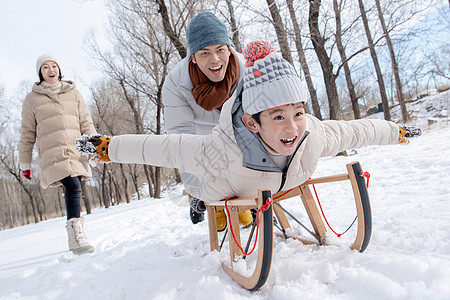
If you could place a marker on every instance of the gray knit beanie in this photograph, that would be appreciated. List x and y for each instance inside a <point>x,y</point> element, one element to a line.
<point>42,59</point>
<point>269,80</point>
<point>204,30</point>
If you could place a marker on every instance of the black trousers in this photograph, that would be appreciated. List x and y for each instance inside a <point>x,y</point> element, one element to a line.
<point>73,196</point>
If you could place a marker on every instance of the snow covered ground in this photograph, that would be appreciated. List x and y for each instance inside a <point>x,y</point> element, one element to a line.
<point>149,249</point>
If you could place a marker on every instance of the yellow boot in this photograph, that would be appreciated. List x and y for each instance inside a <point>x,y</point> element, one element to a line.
<point>245,218</point>
<point>221,220</point>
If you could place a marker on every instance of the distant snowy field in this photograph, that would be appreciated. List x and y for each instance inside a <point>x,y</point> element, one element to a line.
<point>149,249</point>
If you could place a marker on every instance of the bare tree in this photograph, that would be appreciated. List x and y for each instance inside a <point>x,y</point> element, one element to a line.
<point>373,54</point>
<point>85,197</point>
<point>277,23</point>
<point>439,62</point>
<point>139,63</point>
<point>172,31</point>
<point>398,83</point>
<point>303,62</point>
<point>8,162</point>
<point>3,117</point>
<point>337,6</point>
<point>234,28</point>
<point>112,116</point>
<point>329,77</point>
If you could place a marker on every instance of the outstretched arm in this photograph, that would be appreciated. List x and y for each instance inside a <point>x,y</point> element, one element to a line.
<point>343,135</point>
<point>197,154</point>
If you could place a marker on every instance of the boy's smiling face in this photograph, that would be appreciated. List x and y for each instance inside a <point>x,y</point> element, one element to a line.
<point>281,127</point>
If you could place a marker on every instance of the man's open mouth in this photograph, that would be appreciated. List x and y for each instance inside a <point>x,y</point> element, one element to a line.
<point>216,69</point>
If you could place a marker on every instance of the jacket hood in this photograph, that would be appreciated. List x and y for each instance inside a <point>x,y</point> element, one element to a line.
<point>65,87</point>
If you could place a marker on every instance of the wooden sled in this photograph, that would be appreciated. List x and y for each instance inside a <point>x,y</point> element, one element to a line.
<point>265,232</point>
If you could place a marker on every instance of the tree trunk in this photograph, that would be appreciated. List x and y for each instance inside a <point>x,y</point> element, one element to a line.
<point>134,106</point>
<point>149,175</point>
<point>61,201</point>
<point>174,38</point>
<point>125,179</point>
<point>348,78</point>
<point>106,201</point>
<point>373,54</point>
<point>303,62</point>
<point>41,207</point>
<point>34,208</point>
<point>85,196</point>
<point>111,197</point>
<point>135,182</point>
<point>31,197</point>
<point>398,83</point>
<point>157,182</point>
<point>234,29</point>
<point>159,109</point>
<point>280,31</point>
<point>325,62</point>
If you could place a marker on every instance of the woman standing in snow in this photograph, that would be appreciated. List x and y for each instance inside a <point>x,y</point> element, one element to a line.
<point>54,115</point>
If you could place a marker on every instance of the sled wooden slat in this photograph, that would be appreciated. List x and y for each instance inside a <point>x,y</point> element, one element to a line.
<point>235,252</point>
<point>212,225</point>
<point>241,204</point>
<point>313,212</point>
<point>265,237</point>
<point>281,217</point>
<point>326,179</point>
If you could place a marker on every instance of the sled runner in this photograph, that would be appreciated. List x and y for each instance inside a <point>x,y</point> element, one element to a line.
<point>265,203</point>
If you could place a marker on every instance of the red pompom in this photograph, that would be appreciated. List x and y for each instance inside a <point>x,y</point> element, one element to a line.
<point>257,50</point>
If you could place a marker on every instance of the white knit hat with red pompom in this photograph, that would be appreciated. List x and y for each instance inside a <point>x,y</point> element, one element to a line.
<point>269,80</point>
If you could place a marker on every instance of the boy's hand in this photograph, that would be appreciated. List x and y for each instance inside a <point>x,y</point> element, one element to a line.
<point>407,132</point>
<point>95,145</point>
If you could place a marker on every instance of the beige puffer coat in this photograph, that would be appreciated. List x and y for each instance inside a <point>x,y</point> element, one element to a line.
<point>218,159</point>
<point>54,121</point>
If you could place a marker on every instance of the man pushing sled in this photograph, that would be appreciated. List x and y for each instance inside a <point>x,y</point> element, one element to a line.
<point>264,139</point>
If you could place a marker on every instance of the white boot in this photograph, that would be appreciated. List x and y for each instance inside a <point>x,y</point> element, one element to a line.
<point>78,243</point>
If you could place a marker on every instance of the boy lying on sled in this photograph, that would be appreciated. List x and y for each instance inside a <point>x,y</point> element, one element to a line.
<point>264,139</point>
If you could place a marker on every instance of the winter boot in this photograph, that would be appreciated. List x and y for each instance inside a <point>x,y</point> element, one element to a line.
<point>245,218</point>
<point>78,243</point>
<point>197,210</point>
<point>221,220</point>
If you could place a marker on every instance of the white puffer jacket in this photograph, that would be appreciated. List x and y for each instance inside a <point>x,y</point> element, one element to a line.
<point>225,169</point>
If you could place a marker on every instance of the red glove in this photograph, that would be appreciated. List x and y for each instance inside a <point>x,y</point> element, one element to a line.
<point>27,174</point>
